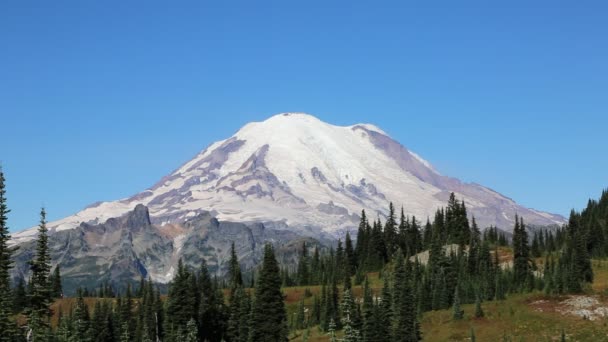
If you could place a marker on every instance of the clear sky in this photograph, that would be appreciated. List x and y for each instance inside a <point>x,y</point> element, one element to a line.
<point>100,99</point>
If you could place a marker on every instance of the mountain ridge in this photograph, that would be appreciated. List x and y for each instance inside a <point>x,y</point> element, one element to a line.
<point>309,174</point>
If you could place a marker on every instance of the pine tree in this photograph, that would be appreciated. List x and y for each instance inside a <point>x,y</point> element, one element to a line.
<point>268,317</point>
<point>232,329</point>
<point>180,304</point>
<point>244,318</point>
<point>369,319</point>
<point>300,322</point>
<point>19,296</point>
<point>81,320</point>
<point>6,325</point>
<point>40,296</point>
<point>303,274</point>
<point>351,264</point>
<point>457,312</point>
<point>407,328</point>
<point>351,333</point>
<point>361,248</point>
<point>385,313</point>
<point>234,272</point>
<point>57,290</point>
<point>191,331</point>
<point>390,231</point>
<point>521,254</point>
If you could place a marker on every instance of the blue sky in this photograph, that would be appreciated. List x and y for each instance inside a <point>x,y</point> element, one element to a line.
<point>99,100</point>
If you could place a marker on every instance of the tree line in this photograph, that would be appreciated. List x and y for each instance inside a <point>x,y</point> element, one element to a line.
<point>442,264</point>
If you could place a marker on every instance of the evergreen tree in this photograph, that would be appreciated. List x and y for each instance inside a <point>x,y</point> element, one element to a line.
<point>268,317</point>
<point>384,313</point>
<point>300,322</point>
<point>191,331</point>
<point>351,258</point>
<point>210,307</point>
<point>351,333</point>
<point>80,321</point>
<point>390,231</point>
<point>244,318</point>
<point>232,330</point>
<point>19,296</point>
<point>457,312</point>
<point>361,250</point>
<point>234,272</point>
<point>407,328</point>
<point>56,288</point>
<point>369,317</point>
<point>40,295</point>
<point>180,304</point>
<point>303,276</point>
<point>521,254</point>
<point>6,325</point>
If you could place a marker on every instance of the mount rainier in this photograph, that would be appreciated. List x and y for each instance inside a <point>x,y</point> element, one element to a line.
<point>294,168</point>
<point>289,177</point>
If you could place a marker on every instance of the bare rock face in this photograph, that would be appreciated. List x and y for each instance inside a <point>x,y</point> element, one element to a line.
<point>293,172</point>
<point>129,247</point>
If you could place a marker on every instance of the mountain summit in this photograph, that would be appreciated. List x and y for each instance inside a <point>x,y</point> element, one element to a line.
<point>296,171</point>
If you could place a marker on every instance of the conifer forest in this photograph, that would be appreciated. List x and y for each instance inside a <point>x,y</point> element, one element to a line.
<point>419,267</point>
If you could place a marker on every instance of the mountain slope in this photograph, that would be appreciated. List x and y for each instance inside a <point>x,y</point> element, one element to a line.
<point>126,248</point>
<point>296,171</point>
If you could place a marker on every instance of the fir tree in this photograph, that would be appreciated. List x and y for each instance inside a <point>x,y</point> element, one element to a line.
<point>191,331</point>
<point>361,248</point>
<point>56,288</point>
<point>300,322</point>
<point>234,272</point>
<point>19,296</point>
<point>369,318</point>
<point>351,333</point>
<point>407,328</point>
<point>457,312</point>
<point>81,320</point>
<point>6,325</point>
<point>303,274</point>
<point>390,231</point>
<point>351,259</point>
<point>268,317</point>
<point>40,296</point>
<point>384,314</point>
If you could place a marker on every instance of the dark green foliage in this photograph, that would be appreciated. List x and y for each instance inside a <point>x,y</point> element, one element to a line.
<point>390,232</point>
<point>181,303</point>
<point>234,273</point>
<point>268,317</point>
<point>521,254</point>
<point>457,312</point>
<point>351,259</point>
<point>40,295</point>
<point>303,274</point>
<point>407,328</point>
<point>55,283</point>
<point>6,302</point>
<point>211,311</point>
<point>81,321</point>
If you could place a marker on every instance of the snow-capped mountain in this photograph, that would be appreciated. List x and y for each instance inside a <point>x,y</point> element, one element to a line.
<point>299,172</point>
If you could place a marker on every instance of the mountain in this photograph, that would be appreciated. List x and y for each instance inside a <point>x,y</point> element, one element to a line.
<point>288,178</point>
<point>298,171</point>
<point>126,248</point>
